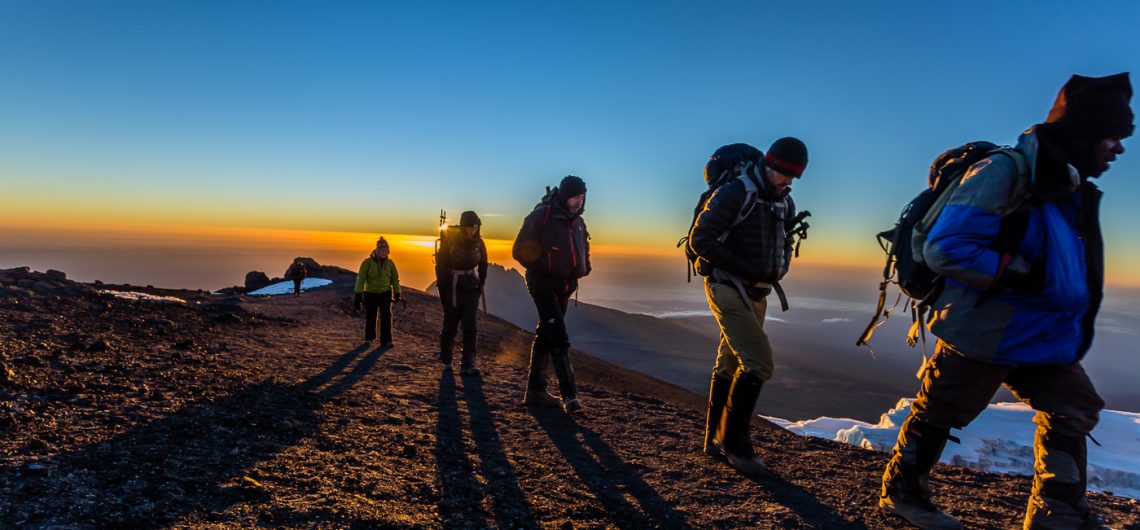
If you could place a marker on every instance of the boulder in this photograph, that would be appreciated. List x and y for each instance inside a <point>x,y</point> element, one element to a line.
<point>256,280</point>
<point>312,268</point>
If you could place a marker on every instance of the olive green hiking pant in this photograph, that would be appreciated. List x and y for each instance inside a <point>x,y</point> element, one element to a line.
<point>743,343</point>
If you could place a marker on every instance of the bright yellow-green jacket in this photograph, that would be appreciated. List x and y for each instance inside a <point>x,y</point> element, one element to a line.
<point>378,277</point>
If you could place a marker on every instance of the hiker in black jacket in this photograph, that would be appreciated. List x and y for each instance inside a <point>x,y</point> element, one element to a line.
<point>554,247</point>
<point>742,259</point>
<point>460,274</point>
<point>297,272</point>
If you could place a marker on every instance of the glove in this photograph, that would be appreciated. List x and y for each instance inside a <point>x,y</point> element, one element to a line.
<point>358,301</point>
<point>1022,277</point>
<point>397,298</point>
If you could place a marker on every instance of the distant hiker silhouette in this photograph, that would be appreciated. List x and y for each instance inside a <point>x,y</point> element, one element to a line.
<point>1022,318</point>
<point>377,287</point>
<point>742,240</point>
<point>460,274</point>
<point>297,272</point>
<point>554,248</point>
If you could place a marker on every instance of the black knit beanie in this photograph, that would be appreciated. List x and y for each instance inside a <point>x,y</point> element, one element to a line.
<point>1093,107</point>
<point>469,219</point>
<point>571,186</point>
<point>788,156</point>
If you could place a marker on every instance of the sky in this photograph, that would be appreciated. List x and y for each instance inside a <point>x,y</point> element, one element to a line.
<point>145,124</point>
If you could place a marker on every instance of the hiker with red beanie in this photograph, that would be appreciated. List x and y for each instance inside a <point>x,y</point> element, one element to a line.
<point>1024,318</point>
<point>554,248</point>
<point>742,242</point>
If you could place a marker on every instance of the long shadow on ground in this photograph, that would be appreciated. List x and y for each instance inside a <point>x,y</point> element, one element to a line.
<point>461,499</point>
<point>607,476</point>
<point>154,475</point>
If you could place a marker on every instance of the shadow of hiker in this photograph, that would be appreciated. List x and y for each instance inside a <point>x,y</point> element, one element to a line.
<point>461,499</point>
<point>181,464</point>
<point>510,506</point>
<point>803,502</point>
<point>460,494</point>
<point>607,476</point>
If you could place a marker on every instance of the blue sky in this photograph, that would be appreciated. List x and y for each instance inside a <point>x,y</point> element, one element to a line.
<point>372,116</point>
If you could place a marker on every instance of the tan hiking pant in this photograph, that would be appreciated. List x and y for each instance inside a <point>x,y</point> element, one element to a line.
<point>743,343</point>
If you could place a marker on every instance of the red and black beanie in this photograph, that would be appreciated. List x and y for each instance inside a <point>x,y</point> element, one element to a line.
<point>788,156</point>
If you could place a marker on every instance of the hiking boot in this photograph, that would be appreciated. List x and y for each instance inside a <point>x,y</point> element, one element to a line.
<point>1059,483</point>
<point>918,511</point>
<point>572,404</point>
<point>750,465</point>
<point>470,370</point>
<point>732,435</point>
<point>718,396</point>
<point>446,347</point>
<point>560,358</point>
<point>1094,522</point>
<point>906,489</point>
<point>536,395</point>
<point>541,399</point>
<point>387,345</point>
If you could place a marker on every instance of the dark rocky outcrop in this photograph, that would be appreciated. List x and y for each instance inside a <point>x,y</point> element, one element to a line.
<point>256,280</point>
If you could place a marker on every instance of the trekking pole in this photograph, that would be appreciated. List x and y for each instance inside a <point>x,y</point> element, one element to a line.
<point>799,229</point>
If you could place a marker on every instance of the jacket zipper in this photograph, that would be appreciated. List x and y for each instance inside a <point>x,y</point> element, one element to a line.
<point>573,251</point>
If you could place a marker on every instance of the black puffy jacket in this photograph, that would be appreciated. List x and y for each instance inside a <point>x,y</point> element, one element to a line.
<point>553,243</point>
<point>756,250</point>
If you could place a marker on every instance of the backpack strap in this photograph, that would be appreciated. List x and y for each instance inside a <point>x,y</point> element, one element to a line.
<point>751,192</point>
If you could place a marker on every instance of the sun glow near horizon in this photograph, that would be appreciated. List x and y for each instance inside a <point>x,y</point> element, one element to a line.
<point>268,248</point>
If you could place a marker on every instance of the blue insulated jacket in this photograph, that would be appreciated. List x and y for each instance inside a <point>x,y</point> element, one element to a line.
<point>989,324</point>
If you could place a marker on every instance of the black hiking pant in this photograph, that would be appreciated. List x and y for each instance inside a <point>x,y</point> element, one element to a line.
<point>378,304</point>
<point>955,389</point>
<point>551,340</point>
<point>460,307</point>
<point>297,286</point>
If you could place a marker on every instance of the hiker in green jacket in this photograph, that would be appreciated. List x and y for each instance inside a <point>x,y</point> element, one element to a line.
<point>377,287</point>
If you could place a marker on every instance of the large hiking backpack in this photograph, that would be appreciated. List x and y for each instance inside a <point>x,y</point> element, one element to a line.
<point>457,251</point>
<point>903,243</point>
<point>720,170</point>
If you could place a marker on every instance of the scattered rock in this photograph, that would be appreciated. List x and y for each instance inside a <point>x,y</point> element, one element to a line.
<point>55,275</point>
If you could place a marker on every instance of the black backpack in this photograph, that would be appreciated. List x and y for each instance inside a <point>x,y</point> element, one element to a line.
<point>458,251</point>
<point>719,170</point>
<point>903,243</point>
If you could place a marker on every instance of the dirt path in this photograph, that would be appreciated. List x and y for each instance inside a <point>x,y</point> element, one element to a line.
<point>277,416</point>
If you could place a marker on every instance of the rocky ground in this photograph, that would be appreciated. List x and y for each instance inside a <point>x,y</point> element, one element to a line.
<point>227,412</point>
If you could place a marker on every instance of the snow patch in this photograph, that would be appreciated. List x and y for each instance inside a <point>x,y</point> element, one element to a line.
<point>834,320</point>
<point>143,297</point>
<point>286,287</point>
<point>1000,440</point>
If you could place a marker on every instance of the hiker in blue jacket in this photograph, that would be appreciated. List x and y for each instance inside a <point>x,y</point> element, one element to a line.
<point>1021,319</point>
